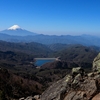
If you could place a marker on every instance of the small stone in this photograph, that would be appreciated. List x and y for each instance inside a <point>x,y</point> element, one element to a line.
<point>22,98</point>
<point>90,75</point>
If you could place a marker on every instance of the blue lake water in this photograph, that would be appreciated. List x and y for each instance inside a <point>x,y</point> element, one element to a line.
<point>43,61</point>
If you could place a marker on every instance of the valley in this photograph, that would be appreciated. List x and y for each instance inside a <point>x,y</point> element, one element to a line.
<point>17,62</point>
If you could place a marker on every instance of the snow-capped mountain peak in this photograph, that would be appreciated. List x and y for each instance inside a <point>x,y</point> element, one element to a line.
<point>14,27</point>
<point>15,30</point>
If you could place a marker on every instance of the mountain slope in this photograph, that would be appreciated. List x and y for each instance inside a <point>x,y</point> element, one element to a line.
<point>14,87</point>
<point>15,30</point>
<point>76,53</point>
<point>36,49</point>
<point>18,32</point>
<point>58,46</point>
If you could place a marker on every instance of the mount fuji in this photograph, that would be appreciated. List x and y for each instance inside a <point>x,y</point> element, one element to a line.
<point>16,30</point>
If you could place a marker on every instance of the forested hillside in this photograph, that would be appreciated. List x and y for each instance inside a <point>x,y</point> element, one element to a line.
<point>33,48</point>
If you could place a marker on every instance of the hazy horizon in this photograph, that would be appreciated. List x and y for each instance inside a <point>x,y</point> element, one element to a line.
<point>52,17</point>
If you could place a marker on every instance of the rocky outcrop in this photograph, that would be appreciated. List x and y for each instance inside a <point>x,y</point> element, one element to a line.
<point>96,64</point>
<point>36,97</point>
<point>76,86</point>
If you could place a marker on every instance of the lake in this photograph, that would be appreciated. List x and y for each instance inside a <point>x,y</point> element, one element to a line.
<point>41,61</point>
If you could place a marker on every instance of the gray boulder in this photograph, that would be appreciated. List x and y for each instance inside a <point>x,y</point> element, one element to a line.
<point>96,64</point>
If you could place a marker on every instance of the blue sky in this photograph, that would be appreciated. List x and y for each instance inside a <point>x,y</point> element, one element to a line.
<point>58,17</point>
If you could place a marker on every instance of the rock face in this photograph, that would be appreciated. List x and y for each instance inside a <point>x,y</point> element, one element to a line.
<point>96,63</point>
<point>72,87</point>
<point>97,97</point>
<point>76,86</point>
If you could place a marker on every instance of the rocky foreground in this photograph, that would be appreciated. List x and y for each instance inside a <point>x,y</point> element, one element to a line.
<point>76,86</point>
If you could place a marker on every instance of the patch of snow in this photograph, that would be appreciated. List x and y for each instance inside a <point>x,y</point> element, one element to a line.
<point>14,27</point>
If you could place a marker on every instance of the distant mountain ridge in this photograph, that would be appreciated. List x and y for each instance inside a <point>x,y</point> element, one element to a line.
<point>53,39</point>
<point>17,34</point>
